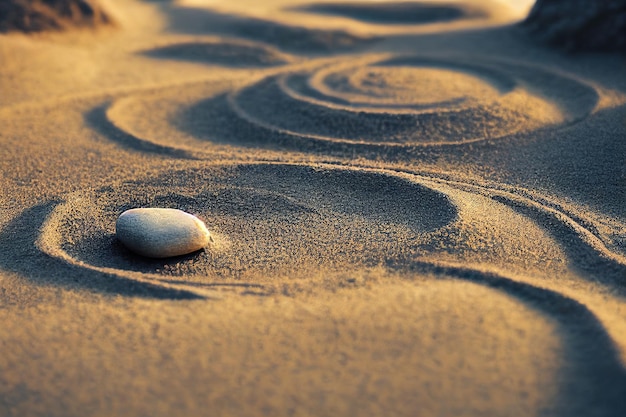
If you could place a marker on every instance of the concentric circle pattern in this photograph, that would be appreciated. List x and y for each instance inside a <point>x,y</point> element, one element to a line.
<point>366,103</point>
<point>275,219</point>
<point>434,101</point>
<point>295,222</point>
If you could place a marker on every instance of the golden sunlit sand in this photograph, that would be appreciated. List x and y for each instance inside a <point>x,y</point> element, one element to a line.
<point>414,210</point>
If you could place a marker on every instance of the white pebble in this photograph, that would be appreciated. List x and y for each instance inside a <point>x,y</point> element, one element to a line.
<point>161,232</point>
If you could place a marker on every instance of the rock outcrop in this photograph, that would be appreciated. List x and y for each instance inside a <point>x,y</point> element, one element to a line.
<point>47,15</point>
<point>580,25</point>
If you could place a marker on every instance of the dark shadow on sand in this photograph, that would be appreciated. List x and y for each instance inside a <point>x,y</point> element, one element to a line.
<point>405,13</point>
<point>97,120</point>
<point>250,193</point>
<point>593,379</point>
<point>594,265</point>
<point>288,38</point>
<point>20,254</point>
<point>227,53</point>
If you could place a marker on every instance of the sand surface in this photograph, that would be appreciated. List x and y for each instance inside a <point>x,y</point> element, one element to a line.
<point>415,211</point>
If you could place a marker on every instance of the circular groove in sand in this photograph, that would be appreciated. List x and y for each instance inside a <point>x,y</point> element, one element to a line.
<point>503,104</point>
<point>249,204</point>
<point>572,228</point>
<point>369,103</point>
<point>232,53</point>
<point>267,219</point>
<point>348,83</point>
<point>291,216</point>
<point>403,13</point>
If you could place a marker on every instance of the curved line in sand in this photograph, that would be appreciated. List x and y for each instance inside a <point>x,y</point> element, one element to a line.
<point>542,209</point>
<point>550,300</point>
<point>317,83</point>
<point>567,230</point>
<point>402,13</point>
<point>379,122</point>
<point>229,52</point>
<point>51,239</point>
<point>516,82</point>
<point>38,267</point>
<point>101,119</point>
<point>382,117</point>
<point>578,321</point>
<point>327,98</point>
<point>283,34</point>
<point>582,322</point>
<point>49,243</point>
<point>546,212</point>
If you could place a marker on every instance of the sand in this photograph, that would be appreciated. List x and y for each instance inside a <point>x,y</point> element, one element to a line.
<point>416,210</point>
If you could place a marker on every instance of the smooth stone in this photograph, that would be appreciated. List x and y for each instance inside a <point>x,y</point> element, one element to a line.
<point>161,232</point>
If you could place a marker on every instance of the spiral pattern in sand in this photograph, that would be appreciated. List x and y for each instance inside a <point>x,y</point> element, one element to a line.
<point>382,104</point>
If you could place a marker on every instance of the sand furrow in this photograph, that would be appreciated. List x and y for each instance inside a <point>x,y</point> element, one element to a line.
<point>294,220</point>
<point>390,105</point>
<point>397,13</point>
<point>228,52</point>
<point>579,324</point>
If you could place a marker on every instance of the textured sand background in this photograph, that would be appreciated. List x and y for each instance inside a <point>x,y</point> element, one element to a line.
<point>416,211</point>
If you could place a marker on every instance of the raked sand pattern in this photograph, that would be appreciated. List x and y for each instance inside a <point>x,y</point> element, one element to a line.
<point>375,104</point>
<point>413,211</point>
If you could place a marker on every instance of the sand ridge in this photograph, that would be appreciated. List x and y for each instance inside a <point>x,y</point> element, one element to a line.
<point>412,209</point>
<point>325,110</point>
